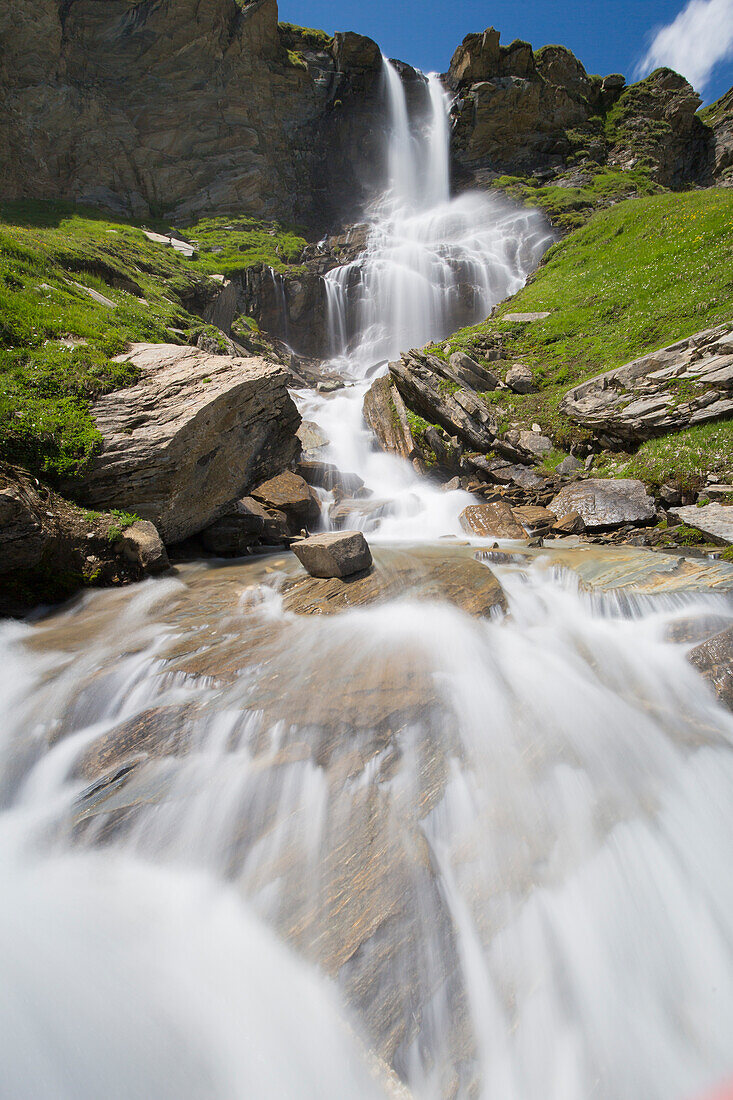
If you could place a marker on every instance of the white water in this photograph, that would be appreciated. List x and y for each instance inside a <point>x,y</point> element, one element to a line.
<point>431,263</point>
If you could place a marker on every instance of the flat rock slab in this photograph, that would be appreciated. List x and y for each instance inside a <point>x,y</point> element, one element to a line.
<point>524,318</point>
<point>454,578</point>
<point>495,520</point>
<point>714,520</point>
<point>193,436</point>
<point>637,570</point>
<point>334,554</point>
<point>606,502</point>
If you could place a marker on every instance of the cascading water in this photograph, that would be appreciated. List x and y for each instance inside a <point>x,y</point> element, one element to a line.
<point>431,263</point>
<point>397,852</point>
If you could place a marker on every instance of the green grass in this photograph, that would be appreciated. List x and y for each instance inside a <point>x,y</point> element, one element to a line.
<point>643,274</point>
<point>570,207</point>
<point>310,36</point>
<point>684,458</point>
<point>51,256</point>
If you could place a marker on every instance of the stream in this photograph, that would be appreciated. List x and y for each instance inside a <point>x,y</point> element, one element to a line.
<point>396,852</point>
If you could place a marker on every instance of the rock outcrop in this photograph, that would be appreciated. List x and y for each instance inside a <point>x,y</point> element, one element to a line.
<point>49,548</point>
<point>606,503</point>
<point>714,520</point>
<point>714,659</point>
<point>179,108</point>
<point>687,383</point>
<point>188,440</point>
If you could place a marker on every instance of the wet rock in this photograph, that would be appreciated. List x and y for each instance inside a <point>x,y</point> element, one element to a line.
<point>606,503</point>
<point>535,519</point>
<point>311,437</point>
<point>491,521</point>
<point>291,494</point>
<point>714,520</point>
<point>190,438</point>
<point>334,554</point>
<point>714,659</point>
<point>453,578</point>
<point>370,511</point>
<point>520,379</point>
<point>142,545</point>
<point>386,415</point>
<point>324,475</point>
<point>644,398</point>
<point>238,530</point>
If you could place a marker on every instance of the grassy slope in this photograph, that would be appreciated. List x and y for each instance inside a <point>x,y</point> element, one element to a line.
<point>47,248</point>
<point>644,273</point>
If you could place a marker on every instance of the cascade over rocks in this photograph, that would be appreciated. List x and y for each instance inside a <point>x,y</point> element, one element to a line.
<point>190,438</point>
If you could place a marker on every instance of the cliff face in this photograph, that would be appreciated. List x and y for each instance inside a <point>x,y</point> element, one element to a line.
<point>178,107</point>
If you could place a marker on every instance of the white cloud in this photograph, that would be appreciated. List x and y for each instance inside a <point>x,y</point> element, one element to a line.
<point>694,42</point>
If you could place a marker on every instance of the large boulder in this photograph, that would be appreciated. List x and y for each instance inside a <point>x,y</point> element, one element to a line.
<point>190,438</point>
<point>334,554</point>
<point>492,521</point>
<point>604,503</point>
<point>687,383</point>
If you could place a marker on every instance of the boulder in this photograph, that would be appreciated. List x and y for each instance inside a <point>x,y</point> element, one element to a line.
<point>714,520</point>
<point>568,466</point>
<point>238,530</point>
<point>536,443</point>
<point>291,494</point>
<point>606,503</point>
<point>334,554</point>
<point>311,437</point>
<point>714,659</point>
<point>686,383</point>
<point>491,521</point>
<point>571,524</point>
<point>191,437</point>
<point>535,519</point>
<point>142,545</point>
<point>519,378</point>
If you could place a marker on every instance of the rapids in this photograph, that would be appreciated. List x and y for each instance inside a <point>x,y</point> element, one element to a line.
<point>392,852</point>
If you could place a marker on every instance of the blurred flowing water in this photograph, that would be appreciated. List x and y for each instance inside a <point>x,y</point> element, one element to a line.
<point>396,851</point>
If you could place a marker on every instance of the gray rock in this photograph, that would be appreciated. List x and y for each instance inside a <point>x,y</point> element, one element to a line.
<point>714,659</point>
<point>334,554</point>
<point>142,545</point>
<point>311,437</point>
<point>568,466</point>
<point>190,438</point>
<point>238,530</point>
<point>471,373</point>
<point>524,318</point>
<point>605,503</point>
<point>714,520</point>
<point>644,398</point>
<point>324,475</point>
<point>519,378</point>
<point>535,443</point>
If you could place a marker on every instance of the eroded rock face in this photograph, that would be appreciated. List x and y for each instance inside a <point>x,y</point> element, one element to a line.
<point>604,503</point>
<point>386,415</point>
<point>194,435</point>
<point>687,383</point>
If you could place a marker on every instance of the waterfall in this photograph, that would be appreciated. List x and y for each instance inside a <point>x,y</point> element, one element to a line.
<point>431,263</point>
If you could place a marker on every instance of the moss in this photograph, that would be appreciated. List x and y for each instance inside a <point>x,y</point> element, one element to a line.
<point>309,36</point>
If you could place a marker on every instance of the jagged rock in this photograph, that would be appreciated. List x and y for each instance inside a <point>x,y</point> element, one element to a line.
<point>291,494</point>
<point>686,383</point>
<point>558,65</point>
<point>536,443</point>
<point>311,437</point>
<point>606,503</point>
<point>334,554</point>
<point>142,545</point>
<point>519,378</point>
<point>491,521</point>
<point>325,475</point>
<point>714,659</point>
<point>568,466</point>
<point>191,437</point>
<point>714,520</point>
<point>420,380</point>
<point>471,373</point>
<point>386,415</point>
<point>535,519</point>
<point>719,116</point>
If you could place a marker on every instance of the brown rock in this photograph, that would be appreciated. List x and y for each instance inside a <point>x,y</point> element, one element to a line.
<point>491,521</point>
<point>571,524</point>
<point>535,520</point>
<point>142,545</point>
<point>291,494</point>
<point>714,659</point>
<point>386,415</point>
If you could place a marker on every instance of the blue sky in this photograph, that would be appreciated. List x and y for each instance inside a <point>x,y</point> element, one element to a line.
<point>617,36</point>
